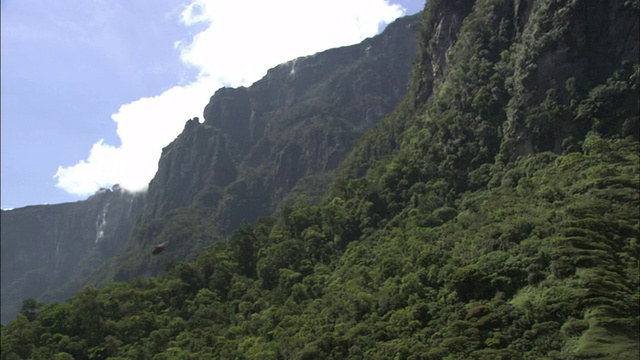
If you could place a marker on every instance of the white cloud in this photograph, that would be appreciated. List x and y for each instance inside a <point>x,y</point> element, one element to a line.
<point>241,41</point>
<point>144,127</point>
<point>239,49</point>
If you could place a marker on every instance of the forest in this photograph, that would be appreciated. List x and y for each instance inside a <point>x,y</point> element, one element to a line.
<point>494,214</point>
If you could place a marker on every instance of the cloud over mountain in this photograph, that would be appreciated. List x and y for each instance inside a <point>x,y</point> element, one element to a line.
<point>237,43</point>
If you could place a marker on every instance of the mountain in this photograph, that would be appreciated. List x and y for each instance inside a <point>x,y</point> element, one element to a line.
<point>285,133</point>
<point>49,250</point>
<point>296,122</point>
<point>281,137</point>
<point>493,214</point>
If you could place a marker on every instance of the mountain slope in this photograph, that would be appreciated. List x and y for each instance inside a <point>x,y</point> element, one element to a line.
<point>285,134</point>
<point>299,120</point>
<point>494,215</point>
<point>49,250</point>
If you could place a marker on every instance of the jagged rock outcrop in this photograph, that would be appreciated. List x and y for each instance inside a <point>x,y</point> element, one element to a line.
<point>439,35</point>
<point>256,143</point>
<point>48,251</point>
<point>285,133</point>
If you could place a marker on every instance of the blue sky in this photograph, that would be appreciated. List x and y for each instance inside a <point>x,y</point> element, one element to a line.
<point>93,89</point>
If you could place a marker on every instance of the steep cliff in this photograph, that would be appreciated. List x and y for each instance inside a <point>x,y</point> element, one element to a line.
<point>298,121</point>
<point>493,215</point>
<point>48,251</point>
<point>287,132</point>
<point>503,79</point>
<point>255,145</point>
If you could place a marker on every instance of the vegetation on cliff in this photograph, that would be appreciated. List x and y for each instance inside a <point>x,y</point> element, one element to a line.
<point>542,263</point>
<point>498,220</point>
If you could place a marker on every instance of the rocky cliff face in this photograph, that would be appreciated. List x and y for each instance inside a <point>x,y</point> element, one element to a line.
<point>556,63</point>
<point>48,250</point>
<point>287,132</point>
<point>553,55</point>
<point>512,78</point>
<point>257,143</point>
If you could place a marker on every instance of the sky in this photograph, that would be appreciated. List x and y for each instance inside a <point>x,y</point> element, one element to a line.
<point>92,90</point>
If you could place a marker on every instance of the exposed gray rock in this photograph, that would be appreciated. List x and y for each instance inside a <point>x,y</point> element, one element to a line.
<point>255,145</point>
<point>47,250</point>
<point>300,120</point>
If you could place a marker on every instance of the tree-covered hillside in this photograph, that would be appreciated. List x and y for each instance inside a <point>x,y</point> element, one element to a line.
<point>542,263</point>
<point>494,215</point>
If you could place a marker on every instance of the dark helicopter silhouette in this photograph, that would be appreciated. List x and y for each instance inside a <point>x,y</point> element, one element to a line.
<point>159,248</point>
